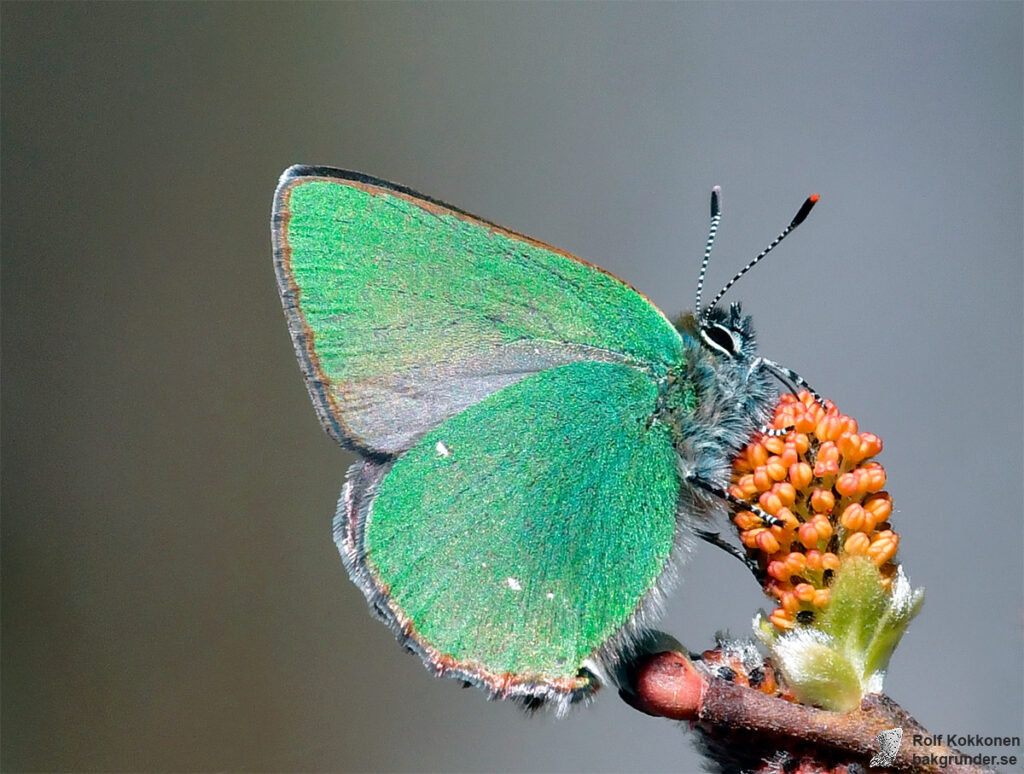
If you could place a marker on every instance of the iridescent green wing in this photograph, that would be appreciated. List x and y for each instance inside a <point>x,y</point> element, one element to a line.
<point>405,311</point>
<point>518,539</point>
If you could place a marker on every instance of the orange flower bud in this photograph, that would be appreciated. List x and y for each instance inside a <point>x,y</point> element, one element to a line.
<point>814,560</point>
<point>805,422</point>
<point>767,542</point>
<point>824,468</point>
<point>829,428</point>
<point>789,602</point>
<point>823,501</point>
<point>779,570</point>
<point>762,481</point>
<point>781,619</point>
<point>807,535</point>
<point>876,477</point>
<point>880,553</point>
<point>872,444</point>
<point>828,452</point>
<point>801,442</point>
<point>857,544</point>
<point>869,522</point>
<point>846,484</point>
<point>853,515</point>
<point>885,538</point>
<point>823,526</point>
<point>786,516</point>
<point>796,562</point>
<point>800,474</point>
<point>770,501</point>
<point>850,447</point>
<point>786,492</point>
<point>758,454</point>
<point>804,592</point>
<point>880,506</point>
<point>746,520</point>
<point>749,537</point>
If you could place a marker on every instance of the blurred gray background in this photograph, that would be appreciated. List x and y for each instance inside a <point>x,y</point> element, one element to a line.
<point>172,599</point>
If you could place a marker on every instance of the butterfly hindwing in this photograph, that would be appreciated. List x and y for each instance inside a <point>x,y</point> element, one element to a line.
<point>405,311</point>
<point>518,538</point>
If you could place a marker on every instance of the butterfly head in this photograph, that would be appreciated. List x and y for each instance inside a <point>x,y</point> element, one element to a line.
<point>727,334</point>
<point>724,335</point>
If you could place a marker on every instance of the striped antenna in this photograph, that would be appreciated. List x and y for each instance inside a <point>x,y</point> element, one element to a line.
<point>716,218</point>
<point>801,214</point>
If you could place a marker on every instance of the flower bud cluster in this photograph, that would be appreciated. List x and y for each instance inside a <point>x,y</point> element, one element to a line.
<point>819,480</point>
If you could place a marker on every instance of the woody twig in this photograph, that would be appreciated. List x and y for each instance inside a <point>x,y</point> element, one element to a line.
<point>783,734</point>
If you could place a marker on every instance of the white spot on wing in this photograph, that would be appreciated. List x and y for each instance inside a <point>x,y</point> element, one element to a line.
<point>514,584</point>
<point>442,450</point>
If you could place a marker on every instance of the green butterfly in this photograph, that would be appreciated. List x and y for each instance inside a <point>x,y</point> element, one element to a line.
<point>537,438</point>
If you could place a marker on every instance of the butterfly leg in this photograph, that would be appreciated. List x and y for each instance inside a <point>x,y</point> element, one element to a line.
<point>787,376</point>
<point>717,491</point>
<point>715,539</point>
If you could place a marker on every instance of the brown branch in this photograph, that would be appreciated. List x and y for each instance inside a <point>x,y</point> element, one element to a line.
<point>669,685</point>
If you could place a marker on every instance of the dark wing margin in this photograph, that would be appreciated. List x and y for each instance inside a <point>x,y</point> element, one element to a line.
<point>350,519</point>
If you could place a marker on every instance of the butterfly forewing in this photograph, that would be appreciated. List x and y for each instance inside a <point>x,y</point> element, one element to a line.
<point>405,311</point>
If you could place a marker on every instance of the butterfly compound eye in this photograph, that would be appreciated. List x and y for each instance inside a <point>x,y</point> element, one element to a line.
<point>719,337</point>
